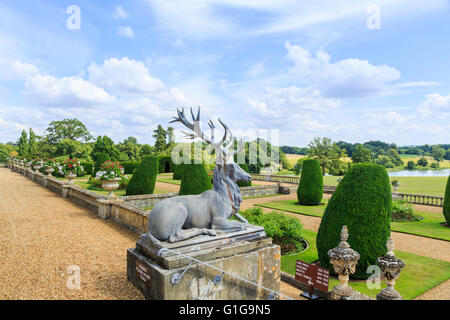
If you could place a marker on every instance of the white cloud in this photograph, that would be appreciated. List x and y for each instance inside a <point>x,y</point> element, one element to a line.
<point>344,78</point>
<point>435,104</point>
<point>120,13</point>
<point>125,32</point>
<point>125,75</point>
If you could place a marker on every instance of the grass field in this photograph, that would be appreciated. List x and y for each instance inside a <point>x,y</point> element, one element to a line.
<point>430,226</point>
<point>419,275</point>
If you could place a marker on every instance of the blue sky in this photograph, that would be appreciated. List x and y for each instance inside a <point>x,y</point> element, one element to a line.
<point>304,68</point>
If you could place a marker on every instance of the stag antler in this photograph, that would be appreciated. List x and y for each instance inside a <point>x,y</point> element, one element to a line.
<point>195,127</point>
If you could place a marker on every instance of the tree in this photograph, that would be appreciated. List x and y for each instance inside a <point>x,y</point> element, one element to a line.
<point>362,201</point>
<point>73,149</point>
<point>144,178</point>
<point>105,145</point>
<point>394,157</point>
<point>298,166</point>
<point>385,161</point>
<point>310,187</point>
<point>129,150</point>
<point>101,158</point>
<point>32,144</point>
<point>160,136</point>
<point>437,153</point>
<point>422,162</point>
<point>72,129</point>
<point>447,155</point>
<point>325,151</point>
<point>170,139</point>
<point>147,150</point>
<point>411,165</point>
<point>361,154</point>
<point>446,209</point>
<point>23,144</point>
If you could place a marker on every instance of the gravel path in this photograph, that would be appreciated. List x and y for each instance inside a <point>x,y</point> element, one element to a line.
<point>42,235</point>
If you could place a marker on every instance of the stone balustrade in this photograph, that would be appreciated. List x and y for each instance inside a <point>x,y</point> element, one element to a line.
<point>421,199</point>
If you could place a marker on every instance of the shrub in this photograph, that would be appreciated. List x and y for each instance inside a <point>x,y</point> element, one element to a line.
<point>195,179</point>
<point>435,165</point>
<point>338,168</point>
<point>165,163</point>
<point>310,187</point>
<point>144,178</point>
<point>101,158</point>
<point>284,230</point>
<point>129,166</point>
<point>178,172</point>
<point>362,201</point>
<point>446,209</point>
<point>403,211</point>
<point>244,184</point>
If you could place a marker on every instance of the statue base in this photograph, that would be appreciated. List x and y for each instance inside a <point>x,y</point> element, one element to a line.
<point>165,275</point>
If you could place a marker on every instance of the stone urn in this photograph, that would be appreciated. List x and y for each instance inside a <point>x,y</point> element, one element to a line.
<point>27,166</point>
<point>390,268</point>
<point>49,171</point>
<point>344,260</point>
<point>37,167</point>
<point>110,186</point>
<point>70,176</point>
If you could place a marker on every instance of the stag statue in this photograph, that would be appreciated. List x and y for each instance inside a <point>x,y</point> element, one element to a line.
<point>183,217</point>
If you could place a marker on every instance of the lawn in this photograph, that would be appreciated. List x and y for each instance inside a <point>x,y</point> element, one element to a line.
<point>419,275</point>
<point>430,226</point>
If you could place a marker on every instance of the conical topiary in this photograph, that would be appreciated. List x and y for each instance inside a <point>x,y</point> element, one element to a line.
<point>144,177</point>
<point>195,180</point>
<point>446,208</point>
<point>362,202</point>
<point>310,186</point>
<point>101,158</point>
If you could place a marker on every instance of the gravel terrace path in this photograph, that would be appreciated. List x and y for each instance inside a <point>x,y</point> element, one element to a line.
<point>43,234</point>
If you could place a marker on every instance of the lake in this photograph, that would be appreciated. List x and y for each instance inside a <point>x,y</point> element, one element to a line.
<point>420,173</point>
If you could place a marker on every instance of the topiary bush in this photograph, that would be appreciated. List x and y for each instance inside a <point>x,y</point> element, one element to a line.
<point>178,171</point>
<point>195,179</point>
<point>144,178</point>
<point>129,166</point>
<point>166,164</point>
<point>446,209</point>
<point>310,186</point>
<point>241,183</point>
<point>101,158</point>
<point>362,201</point>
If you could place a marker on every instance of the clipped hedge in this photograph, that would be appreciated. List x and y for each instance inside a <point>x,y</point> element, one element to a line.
<point>144,178</point>
<point>362,201</point>
<point>310,186</point>
<point>178,171</point>
<point>241,183</point>
<point>129,166</point>
<point>163,163</point>
<point>195,179</point>
<point>446,209</point>
<point>101,158</point>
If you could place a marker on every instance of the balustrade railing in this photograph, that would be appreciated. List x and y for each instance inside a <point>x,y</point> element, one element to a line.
<point>422,199</point>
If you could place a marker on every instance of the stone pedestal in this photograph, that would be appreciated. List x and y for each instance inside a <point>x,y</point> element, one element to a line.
<point>248,254</point>
<point>104,207</point>
<point>391,268</point>
<point>65,190</point>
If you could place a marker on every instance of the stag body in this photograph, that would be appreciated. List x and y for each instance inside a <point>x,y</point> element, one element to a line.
<point>183,217</point>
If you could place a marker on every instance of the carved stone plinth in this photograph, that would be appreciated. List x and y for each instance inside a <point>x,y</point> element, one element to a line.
<point>390,268</point>
<point>344,261</point>
<point>164,275</point>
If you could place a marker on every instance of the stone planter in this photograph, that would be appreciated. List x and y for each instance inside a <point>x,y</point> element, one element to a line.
<point>49,171</point>
<point>110,186</point>
<point>36,168</point>
<point>70,176</point>
<point>390,268</point>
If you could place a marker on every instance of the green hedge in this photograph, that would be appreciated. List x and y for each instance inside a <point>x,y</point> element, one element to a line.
<point>144,178</point>
<point>446,208</point>
<point>101,158</point>
<point>310,186</point>
<point>129,166</point>
<point>362,201</point>
<point>178,172</point>
<point>195,179</point>
<point>244,184</point>
<point>162,164</point>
